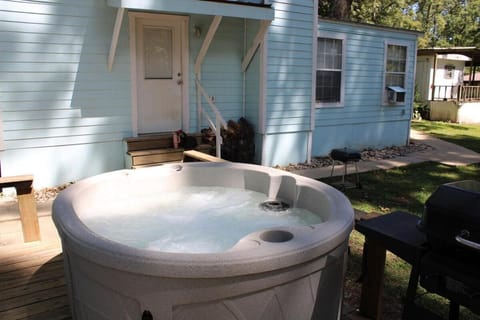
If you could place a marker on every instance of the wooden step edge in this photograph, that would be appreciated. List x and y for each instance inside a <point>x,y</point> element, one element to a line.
<point>160,136</point>
<point>138,153</point>
<point>153,164</point>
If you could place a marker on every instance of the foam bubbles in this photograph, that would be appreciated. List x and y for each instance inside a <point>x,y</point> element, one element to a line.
<point>190,219</point>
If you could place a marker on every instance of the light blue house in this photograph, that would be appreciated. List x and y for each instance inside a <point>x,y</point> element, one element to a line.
<point>77,77</point>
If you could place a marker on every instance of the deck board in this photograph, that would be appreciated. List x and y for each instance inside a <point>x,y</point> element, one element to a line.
<point>32,282</point>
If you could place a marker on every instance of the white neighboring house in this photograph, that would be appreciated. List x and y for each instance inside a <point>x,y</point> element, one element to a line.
<point>441,83</point>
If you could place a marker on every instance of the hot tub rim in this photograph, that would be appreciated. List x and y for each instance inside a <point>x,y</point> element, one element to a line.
<point>77,237</point>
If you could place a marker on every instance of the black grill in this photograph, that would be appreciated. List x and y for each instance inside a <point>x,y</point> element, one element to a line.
<point>451,220</point>
<point>451,265</point>
<point>444,250</point>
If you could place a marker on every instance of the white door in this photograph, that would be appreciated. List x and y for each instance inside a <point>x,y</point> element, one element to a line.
<point>159,73</point>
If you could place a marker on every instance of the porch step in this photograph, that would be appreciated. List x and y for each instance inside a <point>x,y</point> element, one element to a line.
<point>157,141</point>
<point>155,156</point>
<point>154,150</point>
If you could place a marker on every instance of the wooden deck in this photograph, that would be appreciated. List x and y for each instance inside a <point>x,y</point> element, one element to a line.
<point>32,283</point>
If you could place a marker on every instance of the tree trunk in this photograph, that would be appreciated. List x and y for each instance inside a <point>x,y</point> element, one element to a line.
<point>340,9</point>
<point>335,9</point>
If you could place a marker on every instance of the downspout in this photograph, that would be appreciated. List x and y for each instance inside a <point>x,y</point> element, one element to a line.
<point>244,73</point>
<point>262,100</point>
<point>314,63</point>
<point>2,145</point>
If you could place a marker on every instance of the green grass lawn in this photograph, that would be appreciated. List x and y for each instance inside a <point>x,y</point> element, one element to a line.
<point>407,189</point>
<point>404,188</point>
<point>466,135</point>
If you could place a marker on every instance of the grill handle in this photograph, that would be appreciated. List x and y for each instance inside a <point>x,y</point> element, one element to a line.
<point>460,238</point>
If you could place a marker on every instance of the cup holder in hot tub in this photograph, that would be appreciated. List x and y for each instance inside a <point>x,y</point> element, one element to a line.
<point>276,236</point>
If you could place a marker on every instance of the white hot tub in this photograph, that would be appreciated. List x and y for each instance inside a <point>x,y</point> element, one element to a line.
<point>124,260</point>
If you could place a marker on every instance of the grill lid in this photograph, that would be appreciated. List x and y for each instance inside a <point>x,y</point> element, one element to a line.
<point>457,199</point>
<point>453,211</point>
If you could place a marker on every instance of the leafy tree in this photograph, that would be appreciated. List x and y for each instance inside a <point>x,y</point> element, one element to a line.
<point>445,23</point>
<point>462,25</point>
<point>448,23</point>
<point>392,13</point>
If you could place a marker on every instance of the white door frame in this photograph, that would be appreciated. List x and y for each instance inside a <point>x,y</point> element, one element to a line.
<point>133,16</point>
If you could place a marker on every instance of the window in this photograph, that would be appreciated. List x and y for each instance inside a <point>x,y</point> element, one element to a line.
<point>449,71</point>
<point>158,51</point>
<point>329,72</point>
<point>395,72</point>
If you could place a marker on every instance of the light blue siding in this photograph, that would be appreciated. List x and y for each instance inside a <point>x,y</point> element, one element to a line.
<point>289,83</point>
<point>359,134</point>
<point>64,114</point>
<point>221,74</point>
<point>56,94</point>
<point>364,121</point>
<point>285,148</point>
<point>252,91</point>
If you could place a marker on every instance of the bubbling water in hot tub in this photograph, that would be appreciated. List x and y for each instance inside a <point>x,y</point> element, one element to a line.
<point>200,241</point>
<point>192,219</point>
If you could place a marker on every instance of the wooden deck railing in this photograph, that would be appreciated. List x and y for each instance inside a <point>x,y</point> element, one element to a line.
<point>456,93</point>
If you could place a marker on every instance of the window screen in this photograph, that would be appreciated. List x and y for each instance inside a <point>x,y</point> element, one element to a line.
<point>329,70</point>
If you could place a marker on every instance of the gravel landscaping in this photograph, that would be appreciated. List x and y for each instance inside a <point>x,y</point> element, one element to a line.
<point>367,154</point>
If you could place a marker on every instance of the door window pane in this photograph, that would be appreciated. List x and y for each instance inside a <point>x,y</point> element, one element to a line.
<point>158,57</point>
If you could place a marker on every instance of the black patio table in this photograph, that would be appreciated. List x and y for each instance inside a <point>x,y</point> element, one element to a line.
<point>397,232</point>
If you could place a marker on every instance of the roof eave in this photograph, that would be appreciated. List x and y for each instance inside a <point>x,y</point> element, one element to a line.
<point>198,7</point>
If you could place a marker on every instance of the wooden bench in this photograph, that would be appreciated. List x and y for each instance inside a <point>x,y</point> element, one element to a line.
<point>26,204</point>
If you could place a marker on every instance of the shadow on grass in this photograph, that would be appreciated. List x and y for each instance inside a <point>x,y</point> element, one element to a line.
<point>462,140</point>
<point>406,189</point>
<point>467,136</point>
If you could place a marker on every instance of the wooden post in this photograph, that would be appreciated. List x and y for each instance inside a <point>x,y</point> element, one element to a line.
<point>26,204</point>
<point>371,301</point>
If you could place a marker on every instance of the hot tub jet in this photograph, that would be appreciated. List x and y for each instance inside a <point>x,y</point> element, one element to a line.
<point>274,205</point>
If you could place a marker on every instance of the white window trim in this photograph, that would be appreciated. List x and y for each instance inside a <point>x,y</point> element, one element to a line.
<point>339,36</point>
<point>408,45</point>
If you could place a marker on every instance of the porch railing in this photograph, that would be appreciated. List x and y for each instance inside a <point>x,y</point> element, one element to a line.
<point>456,93</point>
<point>219,121</point>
